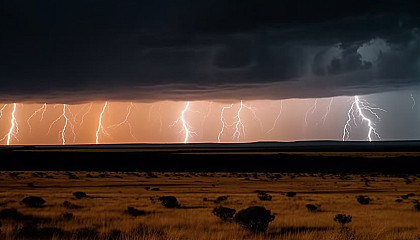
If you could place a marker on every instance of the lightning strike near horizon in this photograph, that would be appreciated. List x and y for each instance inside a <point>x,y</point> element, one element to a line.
<point>327,112</point>
<point>238,124</point>
<point>84,114</point>
<point>277,118</point>
<point>125,121</point>
<point>358,106</point>
<point>222,119</point>
<point>414,101</point>
<point>14,127</point>
<point>312,110</point>
<point>43,109</point>
<point>100,126</point>
<point>186,128</point>
<point>62,132</point>
<point>1,110</point>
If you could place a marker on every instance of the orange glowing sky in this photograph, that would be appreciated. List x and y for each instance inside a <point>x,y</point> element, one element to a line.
<point>136,122</point>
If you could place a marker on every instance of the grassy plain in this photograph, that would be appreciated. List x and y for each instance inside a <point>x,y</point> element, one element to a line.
<point>102,215</point>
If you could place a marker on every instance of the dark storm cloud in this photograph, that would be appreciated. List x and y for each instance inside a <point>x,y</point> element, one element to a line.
<point>145,50</point>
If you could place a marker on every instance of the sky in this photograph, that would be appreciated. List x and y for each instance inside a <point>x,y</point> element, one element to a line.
<point>168,53</point>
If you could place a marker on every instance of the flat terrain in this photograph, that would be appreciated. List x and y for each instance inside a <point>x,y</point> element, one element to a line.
<point>102,214</point>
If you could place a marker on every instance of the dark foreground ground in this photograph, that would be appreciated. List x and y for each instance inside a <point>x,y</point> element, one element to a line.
<point>321,156</point>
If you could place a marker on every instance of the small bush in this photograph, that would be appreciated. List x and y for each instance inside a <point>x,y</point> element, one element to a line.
<point>417,206</point>
<point>221,199</point>
<point>169,202</point>
<point>70,205</point>
<point>10,213</point>
<point>291,194</point>
<point>135,212</point>
<point>114,234</point>
<point>155,189</point>
<point>363,200</point>
<point>263,196</point>
<point>79,195</point>
<point>255,219</point>
<point>342,219</point>
<point>33,202</point>
<point>224,213</point>
<point>311,207</point>
<point>67,216</point>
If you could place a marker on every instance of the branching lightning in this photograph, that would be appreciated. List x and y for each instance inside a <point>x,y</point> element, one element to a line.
<point>311,110</point>
<point>100,126</point>
<point>1,110</point>
<point>67,123</point>
<point>277,118</point>
<point>186,128</point>
<point>43,109</point>
<point>328,111</point>
<point>125,121</point>
<point>222,119</point>
<point>358,106</point>
<point>414,101</point>
<point>14,127</point>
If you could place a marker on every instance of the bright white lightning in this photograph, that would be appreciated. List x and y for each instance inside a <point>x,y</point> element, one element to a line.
<point>62,132</point>
<point>328,111</point>
<point>277,118</point>
<point>186,128</point>
<point>84,114</point>
<point>126,122</point>
<point>222,119</point>
<point>1,110</point>
<point>43,109</point>
<point>14,127</point>
<point>100,126</point>
<point>358,106</point>
<point>238,124</point>
<point>312,110</point>
<point>414,101</point>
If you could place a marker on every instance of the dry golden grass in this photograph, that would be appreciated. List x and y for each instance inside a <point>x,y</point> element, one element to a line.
<point>111,194</point>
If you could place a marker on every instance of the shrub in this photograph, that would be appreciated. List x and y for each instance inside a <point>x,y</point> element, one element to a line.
<point>224,213</point>
<point>70,205</point>
<point>79,195</point>
<point>135,212</point>
<point>263,196</point>
<point>10,213</point>
<point>114,234</point>
<point>255,219</point>
<point>363,200</point>
<point>417,206</point>
<point>155,189</point>
<point>34,202</point>
<point>169,202</point>
<point>221,199</point>
<point>311,207</point>
<point>67,216</point>
<point>342,219</point>
<point>291,194</point>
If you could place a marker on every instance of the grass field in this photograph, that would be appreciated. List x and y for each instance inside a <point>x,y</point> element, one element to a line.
<point>102,214</point>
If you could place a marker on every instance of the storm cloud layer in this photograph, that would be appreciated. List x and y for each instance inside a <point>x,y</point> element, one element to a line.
<point>76,51</point>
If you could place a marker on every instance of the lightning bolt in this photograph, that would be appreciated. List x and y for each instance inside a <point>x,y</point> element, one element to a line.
<point>43,109</point>
<point>14,127</point>
<point>1,110</point>
<point>186,128</point>
<point>62,132</point>
<point>311,110</point>
<point>84,114</point>
<point>358,106</point>
<point>239,126</point>
<point>277,118</point>
<point>414,101</point>
<point>327,112</point>
<point>126,121</point>
<point>100,127</point>
<point>222,119</point>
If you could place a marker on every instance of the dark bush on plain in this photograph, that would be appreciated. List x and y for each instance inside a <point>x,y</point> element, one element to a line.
<point>33,202</point>
<point>263,196</point>
<point>79,195</point>
<point>224,213</point>
<point>70,205</point>
<point>363,200</point>
<point>155,189</point>
<point>417,206</point>
<point>255,218</point>
<point>114,234</point>
<point>311,207</point>
<point>10,213</point>
<point>67,216</point>
<point>342,219</point>
<point>291,194</point>
<point>169,202</point>
<point>221,199</point>
<point>135,212</point>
